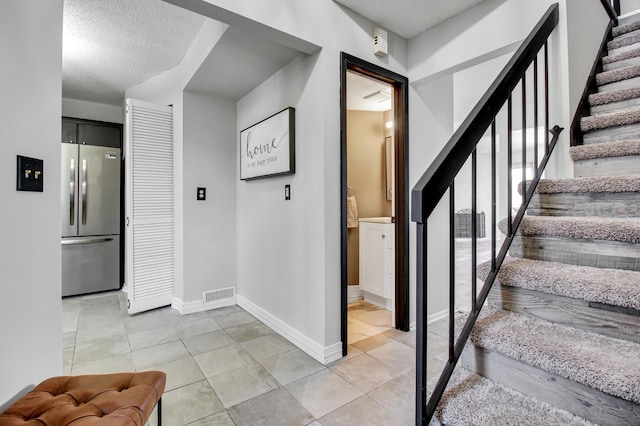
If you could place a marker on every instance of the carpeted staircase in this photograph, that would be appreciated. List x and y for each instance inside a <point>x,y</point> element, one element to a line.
<point>559,342</point>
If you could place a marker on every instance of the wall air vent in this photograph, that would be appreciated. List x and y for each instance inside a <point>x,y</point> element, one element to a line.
<point>215,296</point>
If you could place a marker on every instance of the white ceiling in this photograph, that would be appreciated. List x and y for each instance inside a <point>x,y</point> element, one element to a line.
<point>111,45</point>
<point>408,18</point>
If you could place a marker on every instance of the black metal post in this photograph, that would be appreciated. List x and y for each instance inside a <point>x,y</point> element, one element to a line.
<point>452,270</point>
<point>421,324</point>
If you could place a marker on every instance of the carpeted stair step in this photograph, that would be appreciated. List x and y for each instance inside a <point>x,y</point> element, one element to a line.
<point>621,60</point>
<point>606,196</point>
<point>625,29</point>
<point>607,158</point>
<point>626,73</point>
<point>613,133</point>
<point>584,241</point>
<point>614,100</point>
<point>595,376</point>
<point>624,42</point>
<point>599,300</point>
<point>606,121</point>
<point>474,400</point>
<point>603,286</point>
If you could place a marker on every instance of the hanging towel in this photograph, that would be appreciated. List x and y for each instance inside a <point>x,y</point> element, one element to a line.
<point>352,212</point>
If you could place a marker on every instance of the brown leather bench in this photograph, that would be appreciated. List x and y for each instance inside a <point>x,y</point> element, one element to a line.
<point>106,399</point>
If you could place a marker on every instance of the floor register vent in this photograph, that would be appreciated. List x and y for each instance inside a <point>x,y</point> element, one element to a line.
<point>218,295</point>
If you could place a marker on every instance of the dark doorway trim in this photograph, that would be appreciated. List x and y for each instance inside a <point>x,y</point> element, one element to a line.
<point>401,138</point>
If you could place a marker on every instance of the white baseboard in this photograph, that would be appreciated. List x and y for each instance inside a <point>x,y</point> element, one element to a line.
<point>322,354</point>
<point>199,306</point>
<point>437,316</point>
<point>354,293</point>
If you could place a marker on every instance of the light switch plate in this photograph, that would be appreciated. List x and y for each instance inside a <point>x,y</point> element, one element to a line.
<point>30,174</point>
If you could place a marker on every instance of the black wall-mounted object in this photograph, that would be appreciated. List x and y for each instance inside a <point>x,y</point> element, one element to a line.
<point>202,194</point>
<point>30,174</point>
<point>287,192</point>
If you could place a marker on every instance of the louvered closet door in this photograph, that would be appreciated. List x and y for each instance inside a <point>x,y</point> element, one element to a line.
<point>149,205</point>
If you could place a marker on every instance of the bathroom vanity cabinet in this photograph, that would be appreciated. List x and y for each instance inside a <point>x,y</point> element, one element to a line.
<point>377,268</point>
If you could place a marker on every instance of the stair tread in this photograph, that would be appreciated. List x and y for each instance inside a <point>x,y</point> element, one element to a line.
<point>612,96</point>
<point>624,29</point>
<point>613,149</point>
<point>610,120</point>
<point>610,59</point>
<point>624,230</point>
<point>598,285</point>
<point>625,73</point>
<point>628,39</point>
<point>601,362</point>
<point>471,400</point>
<point>599,184</point>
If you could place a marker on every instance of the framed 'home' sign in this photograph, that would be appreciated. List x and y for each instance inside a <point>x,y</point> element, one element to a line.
<point>268,148</point>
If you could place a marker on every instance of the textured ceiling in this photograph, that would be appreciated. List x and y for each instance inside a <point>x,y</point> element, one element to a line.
<point>408,18</point>
<point>367,94</point>
<point>111,45</point>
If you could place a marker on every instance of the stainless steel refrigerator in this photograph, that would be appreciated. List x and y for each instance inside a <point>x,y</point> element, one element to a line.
<point>90,204</point>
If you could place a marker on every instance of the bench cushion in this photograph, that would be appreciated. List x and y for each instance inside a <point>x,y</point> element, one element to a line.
<point>106,399</point>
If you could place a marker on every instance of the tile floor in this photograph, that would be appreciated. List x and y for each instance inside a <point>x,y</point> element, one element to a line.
<point>224,367</point>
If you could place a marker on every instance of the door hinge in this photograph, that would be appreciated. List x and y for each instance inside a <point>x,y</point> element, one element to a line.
<point>128,304</point>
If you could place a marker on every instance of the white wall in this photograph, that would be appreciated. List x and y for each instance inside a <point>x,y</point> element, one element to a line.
<point>92,110</point>
<point>299,283</point>
<point>281,258</point>
<point>629,6</point>
<point>487,31</point>
<point>31,85</point>
<point>209,149</point>
<point>167,89</point>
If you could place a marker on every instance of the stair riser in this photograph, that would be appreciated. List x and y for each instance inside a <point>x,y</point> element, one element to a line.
<point>617,51</point>
<point>581,400</point>
<point>562,310</point>
<point>621,64</point>
<point>615,106</point>
<point>625,39</point>
<point>596,253</point>
<point>611,134</point>
<point>623,84</point>
<point>607,204</point>
<point>614,166</point>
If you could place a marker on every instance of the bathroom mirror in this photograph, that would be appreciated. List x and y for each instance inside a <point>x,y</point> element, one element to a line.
<point>388,150</point>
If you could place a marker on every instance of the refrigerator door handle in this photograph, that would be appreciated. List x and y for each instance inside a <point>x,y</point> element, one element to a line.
<point>83,185</point>
<point>72,192</point>
<point>68,242</point>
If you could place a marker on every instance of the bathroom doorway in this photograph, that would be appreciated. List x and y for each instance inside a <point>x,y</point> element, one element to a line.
<point>375,204</point>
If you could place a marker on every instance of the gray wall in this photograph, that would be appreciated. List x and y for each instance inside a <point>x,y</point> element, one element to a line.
<point>209,149</point>
<point>31,86</point>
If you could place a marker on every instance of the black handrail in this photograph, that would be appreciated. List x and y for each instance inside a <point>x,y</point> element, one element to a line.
<point>434,183</point>
<point>440,177</point>
<point>612,8</point>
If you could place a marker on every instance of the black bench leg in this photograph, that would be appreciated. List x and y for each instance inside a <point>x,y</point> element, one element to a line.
<point>160,411</point>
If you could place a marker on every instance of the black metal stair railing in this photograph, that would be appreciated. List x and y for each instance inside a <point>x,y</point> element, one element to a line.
<point>440,178</point>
